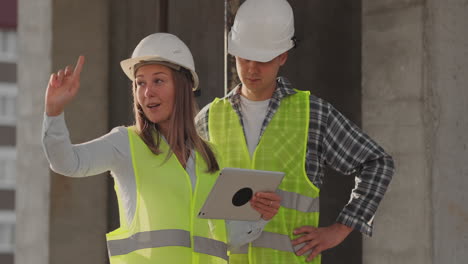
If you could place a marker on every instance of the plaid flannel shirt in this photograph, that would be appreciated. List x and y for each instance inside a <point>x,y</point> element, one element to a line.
<point>336,142</point>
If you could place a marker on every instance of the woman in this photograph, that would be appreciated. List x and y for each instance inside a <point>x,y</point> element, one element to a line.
<point>162,169</point>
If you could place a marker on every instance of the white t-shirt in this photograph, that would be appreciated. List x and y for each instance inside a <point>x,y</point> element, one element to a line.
<point>253,114</point>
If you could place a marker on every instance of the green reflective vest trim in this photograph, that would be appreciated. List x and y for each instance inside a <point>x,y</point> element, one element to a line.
<point>165,228</point>
<point>150,239</point>
<point>282,147</point>
<point>298,202</point>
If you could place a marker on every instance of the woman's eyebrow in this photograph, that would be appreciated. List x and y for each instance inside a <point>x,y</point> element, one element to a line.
<point>156,73</point>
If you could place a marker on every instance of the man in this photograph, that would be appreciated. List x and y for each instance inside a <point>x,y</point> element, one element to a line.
<point>265,124</point>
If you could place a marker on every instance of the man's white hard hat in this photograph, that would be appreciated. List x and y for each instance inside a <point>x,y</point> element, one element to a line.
<point>262,30</point>
<point>161,48</point>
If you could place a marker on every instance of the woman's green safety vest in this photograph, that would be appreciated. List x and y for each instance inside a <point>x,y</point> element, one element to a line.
<point>282,147</point>
<point>165,228</point>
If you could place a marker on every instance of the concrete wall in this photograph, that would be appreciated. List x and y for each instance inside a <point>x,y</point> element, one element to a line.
<point>200,24</point>
<point>393,111</point>
<point>445,96</point>
<point>58,216</point>
<point>414,57</point>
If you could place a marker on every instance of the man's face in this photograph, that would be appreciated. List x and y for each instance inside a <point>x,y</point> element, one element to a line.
<point>259,77</point>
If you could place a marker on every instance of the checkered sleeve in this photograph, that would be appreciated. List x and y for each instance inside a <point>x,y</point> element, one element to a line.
<point>348,150</point>
<point>201,123</point>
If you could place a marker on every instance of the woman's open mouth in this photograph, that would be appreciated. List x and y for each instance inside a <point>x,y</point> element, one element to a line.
<point>151,106</point>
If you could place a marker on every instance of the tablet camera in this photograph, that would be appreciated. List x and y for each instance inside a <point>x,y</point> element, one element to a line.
<point>242,197</point>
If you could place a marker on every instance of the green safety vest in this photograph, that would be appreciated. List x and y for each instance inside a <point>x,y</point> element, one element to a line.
<point>282,147</point>
<point>165,228</point>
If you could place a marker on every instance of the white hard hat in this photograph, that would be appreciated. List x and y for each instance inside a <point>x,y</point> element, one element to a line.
<point>262,30</point>
<point>161,47</point>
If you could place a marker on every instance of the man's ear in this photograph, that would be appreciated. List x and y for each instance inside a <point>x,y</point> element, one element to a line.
<point>283,57</point>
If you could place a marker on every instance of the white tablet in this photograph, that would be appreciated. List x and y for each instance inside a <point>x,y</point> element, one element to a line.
<point>232,191</point>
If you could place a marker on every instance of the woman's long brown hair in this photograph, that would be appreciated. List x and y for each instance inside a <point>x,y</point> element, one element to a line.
<point>182,133</point>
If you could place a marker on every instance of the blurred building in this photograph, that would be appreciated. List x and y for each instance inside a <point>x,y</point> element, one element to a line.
<point>8,92</point>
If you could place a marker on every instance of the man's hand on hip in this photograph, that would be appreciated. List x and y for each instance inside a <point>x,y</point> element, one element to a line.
<point>319,239</point>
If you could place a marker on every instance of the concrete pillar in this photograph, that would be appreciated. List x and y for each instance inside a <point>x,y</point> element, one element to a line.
<point>445,94</point>
<point>415,59</point>
<point>60,220</point>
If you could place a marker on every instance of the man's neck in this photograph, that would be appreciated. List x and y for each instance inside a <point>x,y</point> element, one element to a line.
<point>255,95</point>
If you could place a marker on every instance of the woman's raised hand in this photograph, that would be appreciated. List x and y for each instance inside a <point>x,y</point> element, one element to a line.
<point>62,88</point>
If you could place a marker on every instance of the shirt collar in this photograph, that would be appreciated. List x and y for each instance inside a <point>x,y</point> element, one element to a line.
<point>283,89</point>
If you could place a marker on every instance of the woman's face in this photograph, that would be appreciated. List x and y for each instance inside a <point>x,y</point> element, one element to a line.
<point>155,91</point>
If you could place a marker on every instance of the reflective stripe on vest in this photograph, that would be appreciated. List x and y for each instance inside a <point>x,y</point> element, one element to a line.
<point>210,247</point>
<point>299,202</point>
<point>282,147</point>
<point>165,228</point>
<point>150,239</point>
<point>270,240</point>
<point>167,238</point>
<point>242,250</point>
